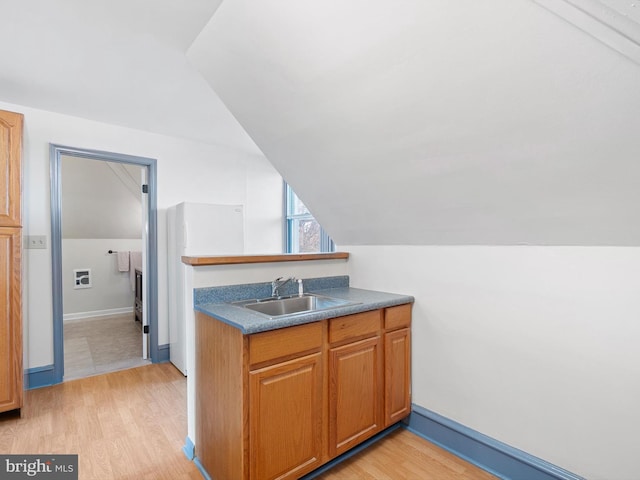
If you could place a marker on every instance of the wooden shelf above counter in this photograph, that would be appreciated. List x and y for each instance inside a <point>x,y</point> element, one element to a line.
<point>239,259</point>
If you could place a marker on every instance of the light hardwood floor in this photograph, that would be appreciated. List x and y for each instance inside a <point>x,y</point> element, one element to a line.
<point>129,424</point>
<point>103,344</point>
<point>403,455</point>
<point>132,424</point>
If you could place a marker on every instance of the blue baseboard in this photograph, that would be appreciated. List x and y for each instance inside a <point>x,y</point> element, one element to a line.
<point>45,376</point>
<point>163,354</point>
<point>39,377</point>
<point>485,452</point>
<point>189,449</point>
<point>204,473</point>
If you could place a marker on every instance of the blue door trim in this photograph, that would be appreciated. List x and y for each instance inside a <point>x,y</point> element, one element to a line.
<point>55,154</point>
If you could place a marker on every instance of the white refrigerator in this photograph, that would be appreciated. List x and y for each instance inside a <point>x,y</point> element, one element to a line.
<point>195,229</point>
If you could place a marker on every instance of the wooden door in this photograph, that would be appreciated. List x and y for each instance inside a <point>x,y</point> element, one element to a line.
<point>355,393</point>
<point>10,168</point>
<point>286,419</point>
<point>397,375</point>
<point>10,319</point>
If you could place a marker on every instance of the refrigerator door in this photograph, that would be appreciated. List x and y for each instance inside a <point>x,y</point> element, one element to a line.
<point>212,229</point>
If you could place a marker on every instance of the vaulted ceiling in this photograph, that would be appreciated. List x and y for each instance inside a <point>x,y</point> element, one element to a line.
<point>409,122</point>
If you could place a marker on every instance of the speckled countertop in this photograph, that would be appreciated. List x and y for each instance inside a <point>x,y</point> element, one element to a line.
<point>215,302</point>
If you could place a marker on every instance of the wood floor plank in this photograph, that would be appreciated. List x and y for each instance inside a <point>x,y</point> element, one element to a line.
<point>129,424</point>
<point>403,455</point>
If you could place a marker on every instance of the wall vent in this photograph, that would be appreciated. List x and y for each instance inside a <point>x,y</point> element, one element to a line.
<point>82,278</point>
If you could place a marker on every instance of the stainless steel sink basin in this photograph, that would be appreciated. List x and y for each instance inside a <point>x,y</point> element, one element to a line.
<point>308,302</point>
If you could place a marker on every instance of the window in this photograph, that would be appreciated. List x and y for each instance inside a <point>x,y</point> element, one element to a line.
<point>303,233</point>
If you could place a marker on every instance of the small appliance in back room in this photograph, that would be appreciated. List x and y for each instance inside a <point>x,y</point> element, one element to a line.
<point>195,229</point>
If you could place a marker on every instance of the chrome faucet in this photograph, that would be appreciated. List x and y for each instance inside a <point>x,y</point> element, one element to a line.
<point>277,283</point>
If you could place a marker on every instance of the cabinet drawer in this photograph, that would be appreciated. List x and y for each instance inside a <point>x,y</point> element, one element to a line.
<point>397,317</point>
<point>285,342</point>
<point>354,326</point>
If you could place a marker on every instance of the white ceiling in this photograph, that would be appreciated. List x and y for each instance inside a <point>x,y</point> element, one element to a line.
<point>115,61</point>
<point>405,122</point>
<point>628,8</point>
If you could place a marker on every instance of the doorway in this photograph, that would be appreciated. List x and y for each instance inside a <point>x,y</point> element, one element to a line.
<point>67,288</point>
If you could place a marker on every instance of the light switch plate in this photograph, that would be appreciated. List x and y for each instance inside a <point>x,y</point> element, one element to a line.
<point>35,241</point>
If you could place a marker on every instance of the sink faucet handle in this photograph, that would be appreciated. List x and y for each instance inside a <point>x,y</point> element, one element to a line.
<point>277,283</point>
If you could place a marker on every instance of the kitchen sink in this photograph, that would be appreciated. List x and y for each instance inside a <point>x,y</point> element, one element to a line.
<point>292,305</point>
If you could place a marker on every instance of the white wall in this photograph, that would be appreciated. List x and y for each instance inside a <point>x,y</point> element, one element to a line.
<point>534,346</point>
<point>110,289</point>
<point>187,171</point>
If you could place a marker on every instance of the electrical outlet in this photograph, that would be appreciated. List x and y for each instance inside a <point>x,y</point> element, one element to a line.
<point>35,241</point>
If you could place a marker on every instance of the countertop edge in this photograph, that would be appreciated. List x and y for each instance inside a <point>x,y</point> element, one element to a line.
<point>256,323</point>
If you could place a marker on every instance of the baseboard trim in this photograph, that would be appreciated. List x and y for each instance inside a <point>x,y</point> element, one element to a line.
<point>44,376</point>
<point>38,377</point>
<point>498,458</point>
<point>96,313</point>
<point>204,473</point>
<point>163,354</point>
<point>189,449</point>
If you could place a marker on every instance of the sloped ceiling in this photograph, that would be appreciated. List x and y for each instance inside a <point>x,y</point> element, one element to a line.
<point>437,122</point>
<point>115,61</point>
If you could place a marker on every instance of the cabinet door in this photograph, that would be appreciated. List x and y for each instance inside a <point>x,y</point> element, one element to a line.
<point>286,418</point>
<point>10,320</point>
<point>355,393</point>
<point>397,375</point>
<point>10,168</point>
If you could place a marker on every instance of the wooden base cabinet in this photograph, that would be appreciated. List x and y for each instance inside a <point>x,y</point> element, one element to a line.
<point>279,404</point>
<point>355,380</point>
<point>11,374</point>
<point>286,418</point>
<point>397,365</point>
<point>10,324</point>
